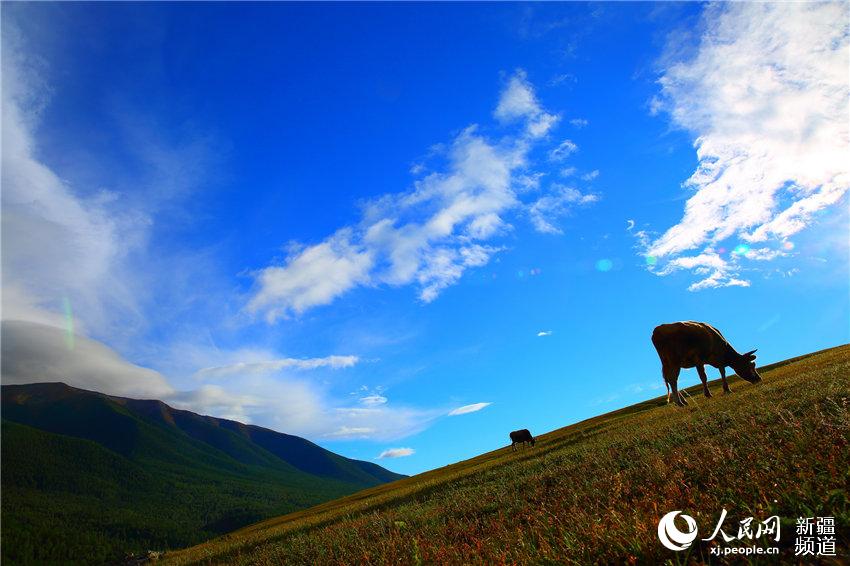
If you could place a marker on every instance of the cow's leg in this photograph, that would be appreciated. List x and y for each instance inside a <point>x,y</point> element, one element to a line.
<point>704,379</point>
<point>723,378</point>
<point>513,446</point>
<point>671,376</point>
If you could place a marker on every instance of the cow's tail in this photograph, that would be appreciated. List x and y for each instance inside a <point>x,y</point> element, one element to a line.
<point>668,390</point>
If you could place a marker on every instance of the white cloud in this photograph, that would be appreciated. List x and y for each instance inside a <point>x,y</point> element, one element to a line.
<point>313,276</point>
<point>428,236</point>
<point>373,400</point>
<point>568,171</point>
<point>718,272</point>
<point>468,409</point>
<point>396,453</point>
<point>766,97</point>
<point>268,366</point>
<point>547,209</point>
<point>579,122</point>
<point>591,175</point>
<point>763,254</point>
<point>518,101</point>
<point>564,150</point>
<point>544,333</point>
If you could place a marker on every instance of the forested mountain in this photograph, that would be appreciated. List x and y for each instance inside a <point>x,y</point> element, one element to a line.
<point>90,477</point>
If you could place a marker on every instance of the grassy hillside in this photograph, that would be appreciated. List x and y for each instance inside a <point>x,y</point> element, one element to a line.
<point>89,478</point>
<point>593,492</point>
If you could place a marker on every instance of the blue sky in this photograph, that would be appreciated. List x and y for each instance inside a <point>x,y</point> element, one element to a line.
<point>406,230</point>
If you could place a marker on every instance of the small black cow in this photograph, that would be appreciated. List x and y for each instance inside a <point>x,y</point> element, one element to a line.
<point>694,344</point>
<point>521,437</point>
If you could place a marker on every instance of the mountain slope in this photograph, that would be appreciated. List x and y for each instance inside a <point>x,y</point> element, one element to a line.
<point>90,477</point>
<point>594,492</point>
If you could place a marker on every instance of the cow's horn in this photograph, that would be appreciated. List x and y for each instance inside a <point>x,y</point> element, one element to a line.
<point>751,353</point>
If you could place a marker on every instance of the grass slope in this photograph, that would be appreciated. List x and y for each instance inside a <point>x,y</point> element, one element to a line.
<point>88,478</point>
<point>593,492</point>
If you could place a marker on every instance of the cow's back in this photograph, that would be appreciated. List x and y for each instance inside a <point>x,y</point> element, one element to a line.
<point>521,435</point>
<point>689,343</point>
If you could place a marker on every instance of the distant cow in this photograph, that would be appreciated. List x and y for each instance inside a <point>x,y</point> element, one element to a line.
<point>521,437</point>
<point>694,344</point>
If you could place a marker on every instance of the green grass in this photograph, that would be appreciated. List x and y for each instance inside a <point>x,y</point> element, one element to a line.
<point>593,492</point>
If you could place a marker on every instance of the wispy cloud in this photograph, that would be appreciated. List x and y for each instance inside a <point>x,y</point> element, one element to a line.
<point>70,245</point>
<point>765,94</point>
<point>564,150</point>
<point>544,333</point>
<point>351,432</point>
<point>579,122</point>
<point>396,453</point>
<point>468,409</point>
<point>430,235</point>
<point>373,400</point>
<point>56,242</point>
<point>546,210</point>
<point>268,366</point>
<point>590,175</point>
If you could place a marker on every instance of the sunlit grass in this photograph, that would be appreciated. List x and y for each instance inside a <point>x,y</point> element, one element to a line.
<point>593,492</point>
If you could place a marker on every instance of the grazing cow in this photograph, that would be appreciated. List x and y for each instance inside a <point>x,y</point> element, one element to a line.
<point>694,344</point>
<point>521,437</point>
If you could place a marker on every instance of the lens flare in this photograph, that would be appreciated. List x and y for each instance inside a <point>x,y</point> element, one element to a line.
<point>741,249</point>
<point>604,265</point>
<point>69,323</point>
<point>788,246</point>
<point>651,260</point>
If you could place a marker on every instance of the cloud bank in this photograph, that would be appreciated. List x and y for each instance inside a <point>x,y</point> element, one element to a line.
<point>35,352</point>
<point>275,394</point>
<point>766,97</point>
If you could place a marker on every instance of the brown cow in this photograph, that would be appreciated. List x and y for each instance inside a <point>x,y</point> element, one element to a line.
<point>694,344</point>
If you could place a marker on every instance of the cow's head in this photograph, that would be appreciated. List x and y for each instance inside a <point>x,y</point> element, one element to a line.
<point>745,367</point>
